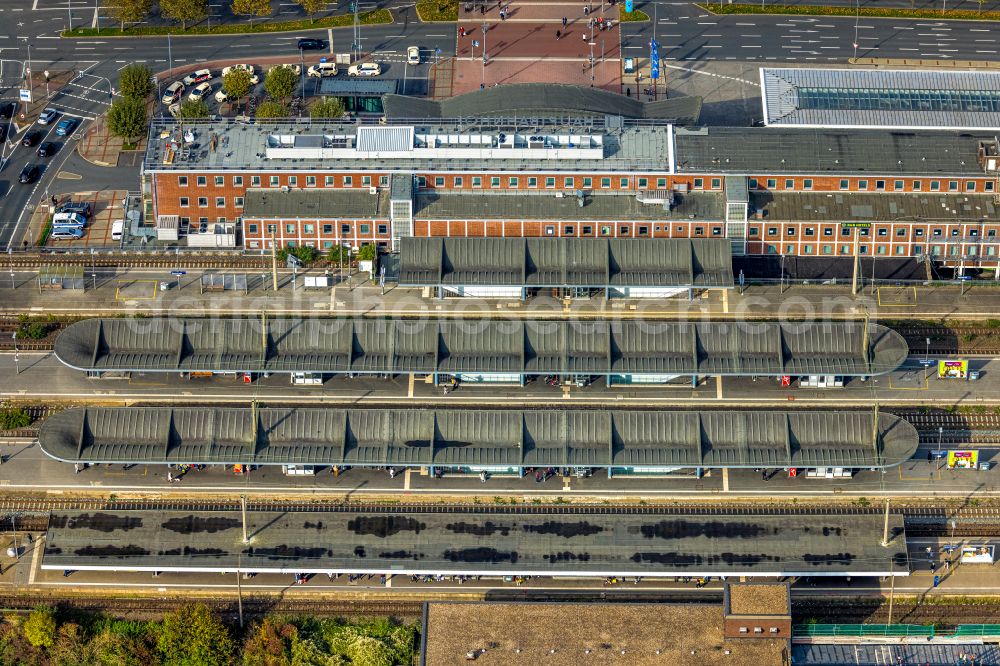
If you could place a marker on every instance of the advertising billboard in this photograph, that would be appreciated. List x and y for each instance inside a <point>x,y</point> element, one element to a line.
<point>977,554</point>
<point>953,369</point>
<point>963,459</point>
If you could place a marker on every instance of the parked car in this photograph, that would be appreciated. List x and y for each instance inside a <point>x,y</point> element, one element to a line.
<point>221,96</point>
<point>311,44</point>
<point>47,149</point>
<point>66,126</point>
<point>47,116</point>
<point>78,207</point>
<point>31,138</point>
<point>323,69</point>
<point>254,79</point>
<point>69,220</point>
<point>200,76</point>
<point>8,109</point>
<point>200,92</point>
<point>66,233</point>
<point>295,68</point>
<point>173,92</point>
<point>413,55</point>
<point>365,69</point>
<point>29,174</point>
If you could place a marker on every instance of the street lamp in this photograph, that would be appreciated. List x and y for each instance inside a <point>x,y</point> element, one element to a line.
<point>486,29</point>
<point>927,350</point>
<point>17,367</point>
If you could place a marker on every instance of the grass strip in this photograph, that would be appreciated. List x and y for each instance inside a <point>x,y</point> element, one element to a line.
<point>635,16</point>
<point>874,12</point>
<point>375,17</point>
<point>434,11</point>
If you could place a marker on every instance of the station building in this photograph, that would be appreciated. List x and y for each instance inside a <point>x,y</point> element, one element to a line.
<point>877,189</point>
<point>483,351</point>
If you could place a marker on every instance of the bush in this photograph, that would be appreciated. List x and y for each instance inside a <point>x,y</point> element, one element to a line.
<point>33,330</point>
<point>136,81</point>
<point>12,418</point>
<point>40,627</point>
<point>305,254</point>
<point>368,252</point>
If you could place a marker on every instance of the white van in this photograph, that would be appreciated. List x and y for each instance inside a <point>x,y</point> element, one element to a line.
<point>69,220</point>
<point>322,69</point>
<point>66,233</point>
<point>117,227</point>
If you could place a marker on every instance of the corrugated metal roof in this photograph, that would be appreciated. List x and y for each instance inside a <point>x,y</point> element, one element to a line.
<point>881,98</point>
<point>597,438</point>
<point>392,346</point>
<point>385,139</point>
<point>566,262</point>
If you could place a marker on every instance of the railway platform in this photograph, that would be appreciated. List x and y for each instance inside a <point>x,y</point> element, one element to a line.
<point>129,290</point>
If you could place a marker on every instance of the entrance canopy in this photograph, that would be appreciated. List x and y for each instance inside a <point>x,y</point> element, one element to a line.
<point>604,263</point>
<point>397,346</point>
<point>469,437</point>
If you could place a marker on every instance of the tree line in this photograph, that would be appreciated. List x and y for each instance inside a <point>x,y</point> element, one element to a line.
<point>193,635</point>
<point>188,12</point>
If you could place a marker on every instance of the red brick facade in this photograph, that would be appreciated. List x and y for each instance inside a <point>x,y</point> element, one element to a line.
<point>214,196</point>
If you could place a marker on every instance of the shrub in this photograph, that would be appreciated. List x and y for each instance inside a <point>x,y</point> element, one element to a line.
<point>40,627</point>
<point>12,418</point>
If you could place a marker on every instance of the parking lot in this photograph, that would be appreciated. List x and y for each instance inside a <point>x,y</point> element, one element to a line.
<point>105,208</point>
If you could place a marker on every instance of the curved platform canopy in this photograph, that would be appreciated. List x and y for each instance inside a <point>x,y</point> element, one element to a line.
<point>397,346</point>
<point>566,262</point>
<point>462,438</point>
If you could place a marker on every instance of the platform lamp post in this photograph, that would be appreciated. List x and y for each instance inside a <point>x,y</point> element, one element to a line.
<point>17,366</point>
<point>486,29</point>
<point>239,585</point>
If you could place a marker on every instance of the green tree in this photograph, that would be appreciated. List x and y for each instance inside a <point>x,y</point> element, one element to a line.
<point>307,653</point>
<point>194,109</point>
<point>193,636</point>
<point>312,7</point>
<point>184,10</point>
<point>128,11</point>
<point>269,644</point>
<point>303,253</point>
<point>136,81</point>
<point>368,252</point>
<point>32,330</point>
<point>251,8</point>
<point>328,107</point>
<point>369,651</point>
<point>272,109</point>
<point>111,648</point>
<point>71,647</point>
<point>127,117</point>
<point>237,83</point>
<point>40,627</point>
<point>14,417</point>
<point>280,82</point>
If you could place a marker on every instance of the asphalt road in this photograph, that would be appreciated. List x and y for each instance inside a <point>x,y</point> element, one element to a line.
<point>686,32</point>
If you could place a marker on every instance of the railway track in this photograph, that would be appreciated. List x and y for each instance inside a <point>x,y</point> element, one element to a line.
<point>125,260</point>
<point>252,605</point>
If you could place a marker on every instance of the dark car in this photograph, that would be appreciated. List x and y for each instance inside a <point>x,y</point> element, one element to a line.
<point>31,138</point>
<point>81,207</point>
<point>47,149</point>
<point>311,44</point>
<point>29,173</point>
<point>8,109</point>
